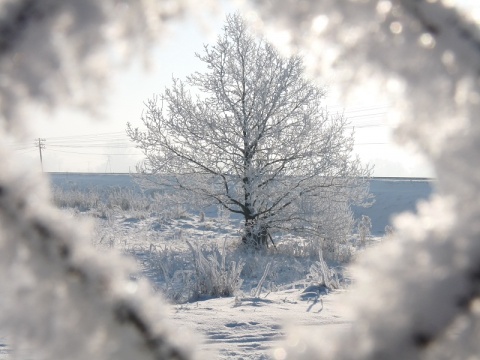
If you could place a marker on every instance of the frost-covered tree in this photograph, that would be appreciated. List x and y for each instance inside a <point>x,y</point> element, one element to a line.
<point>250,134</point>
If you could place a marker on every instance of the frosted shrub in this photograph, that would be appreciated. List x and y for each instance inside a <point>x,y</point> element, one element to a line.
<point>75,198</point>
<point>321,274</point>
<point>105,202</point>
<point>297,246</point>
<point>212,276</point>
<point>128,199</point>
<point>333,234</point>
<point>389,231</point>
<point>60,298</point>
<point>338,251</point>
<point>175,268</point>
<point>364,227</point>
<point>284,267</point>
<point>335,248</point>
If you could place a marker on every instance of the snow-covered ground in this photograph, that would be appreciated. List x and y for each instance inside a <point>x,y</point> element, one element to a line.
<point>250,328</point>
<point>249,324</point>
<point>238,327</point>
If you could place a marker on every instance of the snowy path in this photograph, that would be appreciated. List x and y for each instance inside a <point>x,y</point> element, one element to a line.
<point>250,328</point>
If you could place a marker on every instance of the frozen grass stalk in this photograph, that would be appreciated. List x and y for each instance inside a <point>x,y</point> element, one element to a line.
<point>258,289</point>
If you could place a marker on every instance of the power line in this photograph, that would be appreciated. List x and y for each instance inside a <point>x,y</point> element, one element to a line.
<point>31,147</point>
<point>86,139</point>
<point>84,153</point>
<point>120,146</point>
<point>87,135</point>
<point>26,151</point>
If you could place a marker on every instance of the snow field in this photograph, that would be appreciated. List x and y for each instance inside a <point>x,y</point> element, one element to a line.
<point>264,304</point>
<point>249,324</point>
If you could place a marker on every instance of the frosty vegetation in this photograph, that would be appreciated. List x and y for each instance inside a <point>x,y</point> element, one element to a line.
<point>190,255</point>
<point>57,295</point>
<point>250,134</point>
<point>416,296</point>
<point>364,226</point>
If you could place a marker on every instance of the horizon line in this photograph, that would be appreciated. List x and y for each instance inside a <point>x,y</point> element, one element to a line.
<point>419,178</point>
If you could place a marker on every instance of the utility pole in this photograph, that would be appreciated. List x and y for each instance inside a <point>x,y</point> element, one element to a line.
<point>41,145</point>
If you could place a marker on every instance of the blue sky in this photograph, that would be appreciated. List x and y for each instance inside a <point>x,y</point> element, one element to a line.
<point>73,139</point>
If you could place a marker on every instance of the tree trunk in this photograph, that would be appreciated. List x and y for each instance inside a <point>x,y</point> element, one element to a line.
<point>255,234</point>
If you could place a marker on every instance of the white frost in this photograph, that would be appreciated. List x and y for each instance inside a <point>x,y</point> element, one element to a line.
<point>416,295</point>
